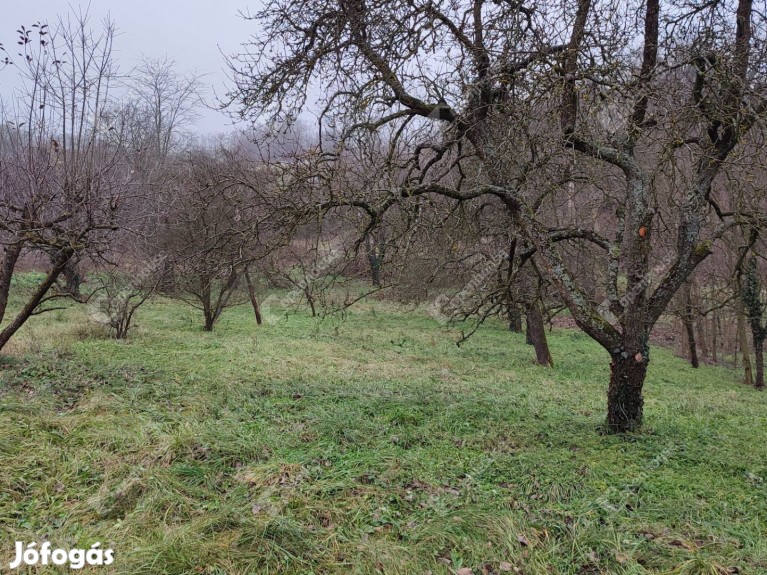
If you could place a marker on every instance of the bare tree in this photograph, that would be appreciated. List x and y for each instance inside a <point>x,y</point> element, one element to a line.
<point>754,306</point>
<point>122,289</point>
<point>218,221</point>
<point>577,112</point>
<point>706,56</point>
<point>63,174</point>
<point>163,104</point>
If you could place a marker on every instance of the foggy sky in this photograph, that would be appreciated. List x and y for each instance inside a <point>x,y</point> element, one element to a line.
<point>194,33</point>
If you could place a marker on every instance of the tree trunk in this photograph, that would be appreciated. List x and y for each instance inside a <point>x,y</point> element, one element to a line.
<point>225,294</point>
<point>375,270</point>
<point>748,376</point>
<point>12,253</point>
<point>624,396</point>
<point>528,330</point>
<point>310,301</point>
<point>514,311</point>
<point>374,254</point>
<point>691,344</point>
<point>206,299</point>
<point>537,333</point>
<point>688,318</point>
<point>32,303</point>
<point>73,279</point>
<point>253,298</point>
<point>209,320</point>
<point>515,319</point>
<point>759,358</point>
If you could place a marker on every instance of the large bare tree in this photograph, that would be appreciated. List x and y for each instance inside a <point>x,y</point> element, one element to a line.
<point>63,175</point>
<point>535,106</point>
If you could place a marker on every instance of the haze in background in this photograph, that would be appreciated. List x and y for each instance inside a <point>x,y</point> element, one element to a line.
<point>196,34</point>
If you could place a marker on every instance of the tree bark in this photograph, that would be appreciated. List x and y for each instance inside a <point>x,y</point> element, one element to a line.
<point>515,319</point>
<point>692,346</point>
<point>33,302</point>
<point>253,298</point>
<point>310,300</point>
<point>528,330</point>
<point>515,314</point>
<point>225,294</point>
<point>624,396</point>
<point>207,303</point>
<point>688,318</point>
<point>375,252</point>
<point>753,308</point>
<point>748,376</point>
<point>209,320</point>
<point>12,253</point>
<point>759,358</point>
<point>73,279</point>
<point>537,332</point>
<point>375,270</point>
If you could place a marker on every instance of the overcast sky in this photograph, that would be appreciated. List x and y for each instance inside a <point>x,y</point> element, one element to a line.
<point>194,33</point>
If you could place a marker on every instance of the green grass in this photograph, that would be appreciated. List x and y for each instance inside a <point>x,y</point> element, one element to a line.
<point>370,445</point>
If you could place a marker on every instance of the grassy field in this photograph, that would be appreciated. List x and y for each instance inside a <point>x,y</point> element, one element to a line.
<point>368,445</point>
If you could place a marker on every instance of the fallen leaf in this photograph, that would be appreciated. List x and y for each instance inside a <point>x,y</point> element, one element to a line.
<point>464,571</point>
<point>504,566</point>
<point>621,558</point>
<point>523,540</point>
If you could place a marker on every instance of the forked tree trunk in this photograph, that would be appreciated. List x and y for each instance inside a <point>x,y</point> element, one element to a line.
<point>624,396</point>
<point>537,332</point>
<point>225,294</point>
<point>253,298</point>
<point>310,300</point>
